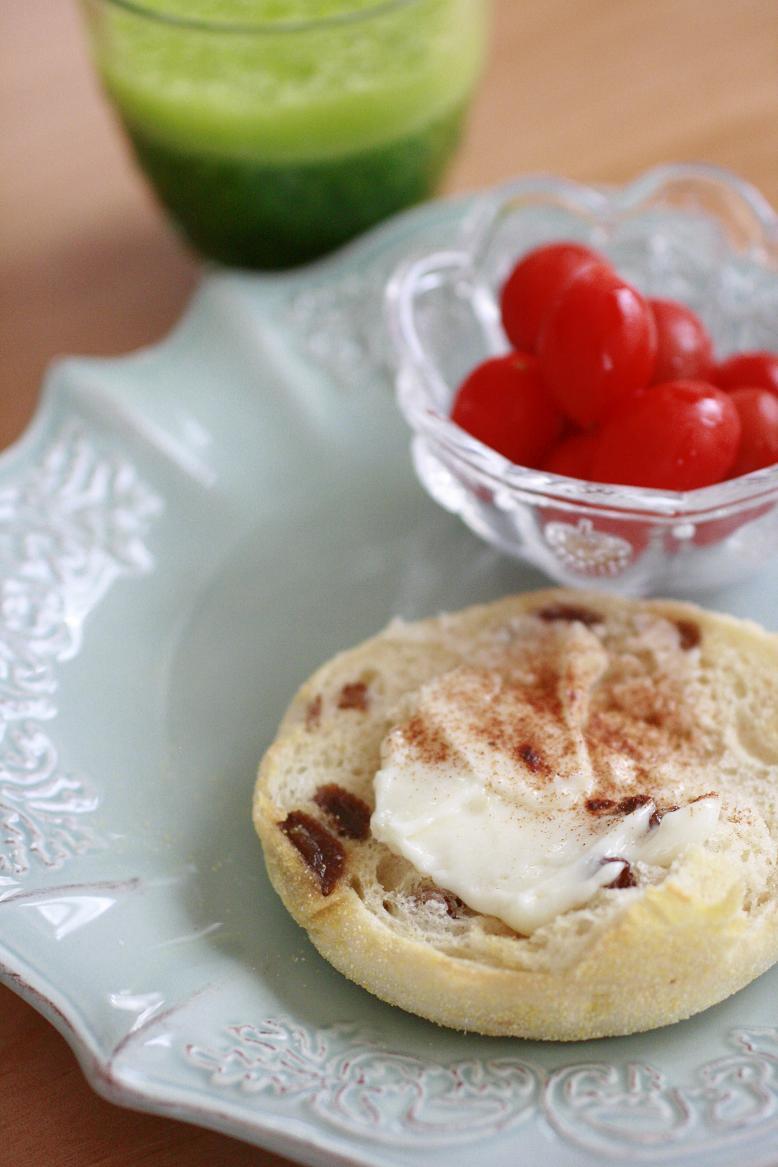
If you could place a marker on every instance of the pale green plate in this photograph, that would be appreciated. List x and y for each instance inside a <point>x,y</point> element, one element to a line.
<point>184,534</point>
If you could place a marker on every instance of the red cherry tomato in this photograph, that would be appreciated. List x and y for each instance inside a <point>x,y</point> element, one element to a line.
<point>572,456</point>
<point>756,370</point>
<point>758,410</point>
<point>534,284</point>
<point>505,404</point>
<point>676,436</point>
<point>597,346</point>
<point>684,350</point>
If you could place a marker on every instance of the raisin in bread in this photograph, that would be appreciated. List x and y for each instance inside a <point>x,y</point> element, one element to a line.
<point>647,729</point>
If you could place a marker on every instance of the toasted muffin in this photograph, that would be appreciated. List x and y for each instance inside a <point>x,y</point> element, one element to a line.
<point>554,816</point>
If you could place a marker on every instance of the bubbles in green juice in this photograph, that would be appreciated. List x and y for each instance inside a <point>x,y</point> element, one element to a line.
<point>283,95</point>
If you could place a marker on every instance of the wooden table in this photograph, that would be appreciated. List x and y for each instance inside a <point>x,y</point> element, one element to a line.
<point>597,89</point>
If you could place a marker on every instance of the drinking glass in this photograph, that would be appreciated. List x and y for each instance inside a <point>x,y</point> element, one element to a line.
<point>275,130</point>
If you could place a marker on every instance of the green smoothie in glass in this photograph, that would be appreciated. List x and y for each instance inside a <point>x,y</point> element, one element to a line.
<point>275,130</point>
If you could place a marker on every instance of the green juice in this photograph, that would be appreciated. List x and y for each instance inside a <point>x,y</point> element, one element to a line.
<point>275,130</point>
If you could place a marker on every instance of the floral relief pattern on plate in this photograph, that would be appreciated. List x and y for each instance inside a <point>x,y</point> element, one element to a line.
<point>339,324</point>
<point>68,529</point>
<point>614,1110</point>
<point>340,321</point>
<point>353,1082</point>
<point>633,1111</point>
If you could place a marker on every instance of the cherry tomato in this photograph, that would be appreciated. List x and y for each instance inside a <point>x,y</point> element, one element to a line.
<point>755,370</point>
<point>684,350</point>
<point>534,284</point>
<point>758,410</point>
<point>675,436</point>
<point>598,344</point>
<point>505,404</point>
<point>572,456</point>
<point>758,446</point>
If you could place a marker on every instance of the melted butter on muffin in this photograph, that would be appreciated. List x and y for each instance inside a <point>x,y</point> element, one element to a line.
<point>549,768</point>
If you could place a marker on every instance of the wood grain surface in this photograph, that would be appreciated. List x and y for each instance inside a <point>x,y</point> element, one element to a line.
<point>596,89</point>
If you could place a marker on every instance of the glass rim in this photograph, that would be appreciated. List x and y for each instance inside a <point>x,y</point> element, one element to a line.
<point>729,497</point>
<point>260,27</point>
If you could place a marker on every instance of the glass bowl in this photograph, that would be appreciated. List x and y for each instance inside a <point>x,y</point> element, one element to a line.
<point>691,233</point>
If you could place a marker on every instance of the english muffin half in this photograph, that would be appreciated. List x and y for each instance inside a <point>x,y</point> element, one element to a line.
<point>554,816</point>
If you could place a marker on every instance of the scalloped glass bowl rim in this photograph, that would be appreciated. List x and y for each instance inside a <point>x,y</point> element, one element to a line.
<point>722,499</point>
